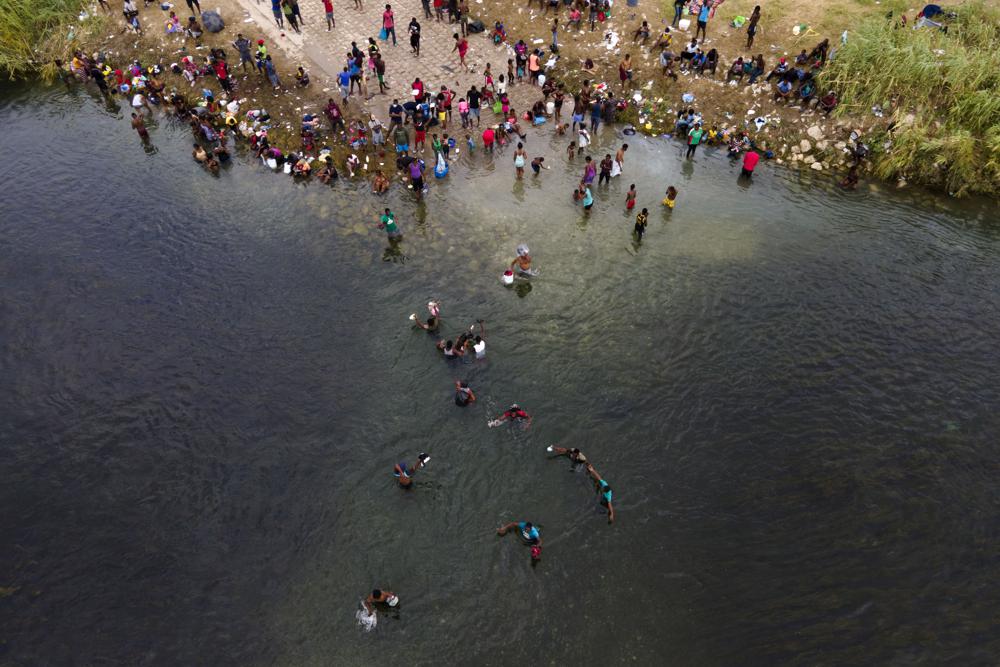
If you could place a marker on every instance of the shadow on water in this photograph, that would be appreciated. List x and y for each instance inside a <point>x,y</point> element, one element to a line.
<point>789,387</point>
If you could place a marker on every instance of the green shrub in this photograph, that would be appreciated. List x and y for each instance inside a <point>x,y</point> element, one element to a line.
<point>949,82</point>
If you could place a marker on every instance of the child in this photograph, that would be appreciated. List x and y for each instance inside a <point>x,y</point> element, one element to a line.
<point>510,69</point>
<point>630,198</point>
<point>488,78</point>
<point>640,223</point>
<point>537,166</point>
<point>671,197</point>
<point>469,142</point>
<point>571,150</point>
<point>446,145</point>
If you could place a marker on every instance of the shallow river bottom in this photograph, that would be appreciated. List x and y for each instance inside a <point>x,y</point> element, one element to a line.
<point>208,381</point>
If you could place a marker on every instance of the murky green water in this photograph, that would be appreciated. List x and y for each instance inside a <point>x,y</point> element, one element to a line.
<point>208,380</point>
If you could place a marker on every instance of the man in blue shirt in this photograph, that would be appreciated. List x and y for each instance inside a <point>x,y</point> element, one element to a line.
<point>703,13</point>
<point>344,81</point>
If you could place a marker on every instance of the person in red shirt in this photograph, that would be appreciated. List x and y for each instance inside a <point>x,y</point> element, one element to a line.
<point>750,160</point>
<point>514,414</point>
<point>446,101</point>
<point>389,23</point>
<point>462,46</point>
<point>223,75</point>
<point>330,21</point>
<point>418,90</point>
<point>488,137</point>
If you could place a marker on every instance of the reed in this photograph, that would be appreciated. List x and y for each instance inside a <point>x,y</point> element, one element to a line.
<point>943,91</point>
<point>27,28</point>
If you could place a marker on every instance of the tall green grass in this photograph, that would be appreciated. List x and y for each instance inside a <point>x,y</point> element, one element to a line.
<point>27,28</point>
<point>949,82</point>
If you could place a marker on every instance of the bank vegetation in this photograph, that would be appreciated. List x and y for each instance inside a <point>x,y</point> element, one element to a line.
<point>939,91</point>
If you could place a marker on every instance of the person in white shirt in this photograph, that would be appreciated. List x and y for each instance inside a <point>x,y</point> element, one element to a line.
<point>480,344</point>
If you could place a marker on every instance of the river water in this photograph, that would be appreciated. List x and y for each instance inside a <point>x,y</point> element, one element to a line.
<point>207,381</point>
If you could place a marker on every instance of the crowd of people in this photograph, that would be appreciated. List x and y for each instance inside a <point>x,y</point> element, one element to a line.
<point>425,120</point>
<point>431,111</point>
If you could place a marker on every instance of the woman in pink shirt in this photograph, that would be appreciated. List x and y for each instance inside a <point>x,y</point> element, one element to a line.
<point>389,24</point>
<point>463,111</point>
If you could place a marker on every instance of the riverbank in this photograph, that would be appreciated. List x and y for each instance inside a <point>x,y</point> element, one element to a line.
<point>791,135</point>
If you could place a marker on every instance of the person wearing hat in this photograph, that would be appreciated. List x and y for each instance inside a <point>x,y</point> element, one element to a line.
<point>779,70</point>
<point>522,263</point>
<point>379,596</point>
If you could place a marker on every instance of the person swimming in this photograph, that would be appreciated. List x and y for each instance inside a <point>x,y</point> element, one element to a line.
<point>515,414</point>
<point>574,454</point>
<point>405,474</point>
<point>430,326</point>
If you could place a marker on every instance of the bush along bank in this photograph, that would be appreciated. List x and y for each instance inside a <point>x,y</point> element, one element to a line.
<point>933,88</point>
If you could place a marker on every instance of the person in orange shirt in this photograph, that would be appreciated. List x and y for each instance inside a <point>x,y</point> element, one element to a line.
<point>534,67</point>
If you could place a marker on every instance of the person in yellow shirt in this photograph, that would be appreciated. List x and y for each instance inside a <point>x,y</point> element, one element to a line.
<point>671,197</point>
<point>640,223</point>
